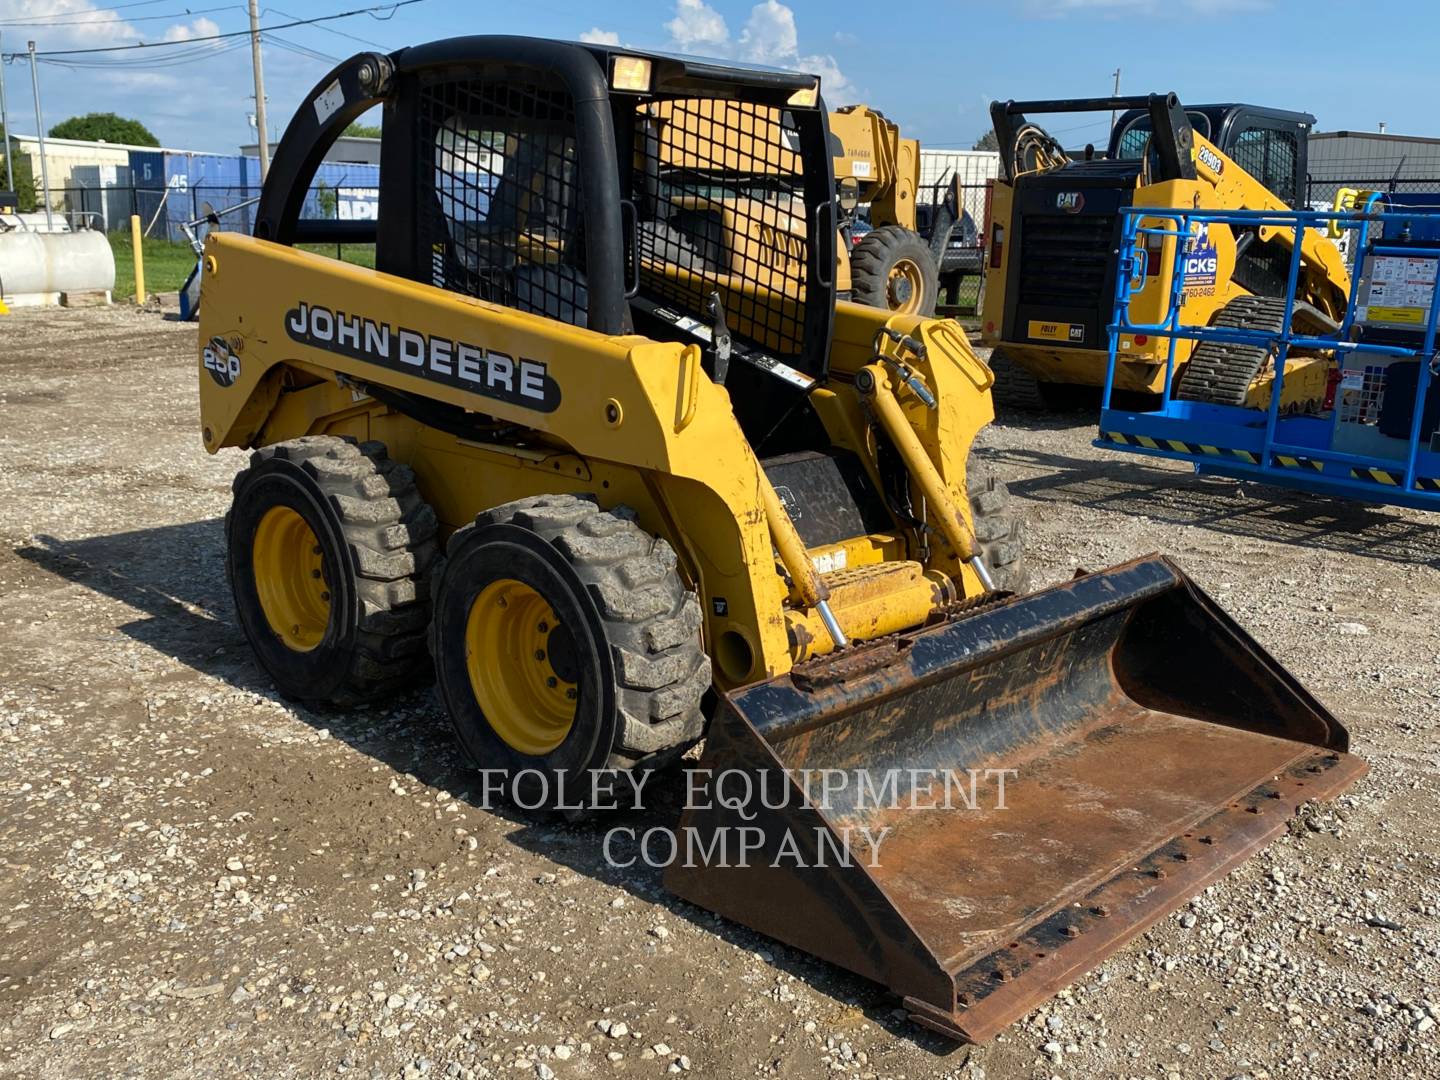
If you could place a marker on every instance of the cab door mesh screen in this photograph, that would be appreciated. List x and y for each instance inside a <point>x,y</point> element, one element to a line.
<point>1269,155</point>
<point>501,193</point>
<point>721,209</point>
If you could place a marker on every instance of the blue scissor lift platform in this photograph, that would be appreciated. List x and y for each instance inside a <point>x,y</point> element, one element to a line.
<point>1378,436</point>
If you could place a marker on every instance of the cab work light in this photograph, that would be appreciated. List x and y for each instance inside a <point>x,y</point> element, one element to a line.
<point>630,73</point>
<point>806,96</point>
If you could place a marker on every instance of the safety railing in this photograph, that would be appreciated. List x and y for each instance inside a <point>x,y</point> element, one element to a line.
<point>1315,448</point>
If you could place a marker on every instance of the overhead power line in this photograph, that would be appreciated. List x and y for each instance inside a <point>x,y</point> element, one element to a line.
<point>119,19</point>
<point>56,14</point>
<point>331,30</point>
<point>392,8</point>
<point>299,50</point>
<point>178,58</point>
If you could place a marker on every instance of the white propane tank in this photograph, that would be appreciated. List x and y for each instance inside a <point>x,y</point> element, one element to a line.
<point>36,267</point>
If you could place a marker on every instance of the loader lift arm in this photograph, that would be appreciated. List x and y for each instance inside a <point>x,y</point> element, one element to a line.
<point>1174,135</point>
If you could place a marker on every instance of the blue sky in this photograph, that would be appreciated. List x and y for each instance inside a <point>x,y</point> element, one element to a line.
<point>933,66</point>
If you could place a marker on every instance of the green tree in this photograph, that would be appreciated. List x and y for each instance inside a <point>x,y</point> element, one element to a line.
<point>106,127</point>
<point>987,142</point>
<point>363,131</point>
<point>327,199</point>
<point>24,182</point>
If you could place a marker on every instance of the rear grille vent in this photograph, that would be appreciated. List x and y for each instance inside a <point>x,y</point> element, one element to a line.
<point>1064,260</point>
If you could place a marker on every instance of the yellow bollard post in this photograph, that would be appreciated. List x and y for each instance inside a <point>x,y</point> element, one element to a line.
<point>135,240</point>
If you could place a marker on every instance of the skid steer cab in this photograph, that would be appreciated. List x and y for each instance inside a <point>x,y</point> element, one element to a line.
<point>595,447</point>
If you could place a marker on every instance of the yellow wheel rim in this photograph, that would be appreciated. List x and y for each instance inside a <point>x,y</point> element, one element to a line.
<point>522,667</point>
<point>905,287</point>
<point>290,578</point>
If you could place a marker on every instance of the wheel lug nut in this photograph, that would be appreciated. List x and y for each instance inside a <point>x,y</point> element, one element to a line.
<point>539,654</point>
<point>552,682</point>
<point>544,626</point>
<point>315,573</point>
<point>315,550</point>
<point>324,596</point>
<point>570,693</point>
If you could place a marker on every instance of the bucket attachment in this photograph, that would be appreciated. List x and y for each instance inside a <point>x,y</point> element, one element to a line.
<point>1147,744</point>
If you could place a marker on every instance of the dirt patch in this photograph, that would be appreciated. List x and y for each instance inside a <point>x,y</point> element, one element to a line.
<point>201,879</point>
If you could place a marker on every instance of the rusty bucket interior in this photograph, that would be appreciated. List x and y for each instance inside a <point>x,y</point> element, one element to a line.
<point>1020,789</point>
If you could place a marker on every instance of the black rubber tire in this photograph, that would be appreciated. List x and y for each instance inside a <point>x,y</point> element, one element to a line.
<point>1014,388</point>
<point>872,259</point>
<point>999,530</point>
<point>378,546</point>
<point>1220,373</point>
<point>635,629</point>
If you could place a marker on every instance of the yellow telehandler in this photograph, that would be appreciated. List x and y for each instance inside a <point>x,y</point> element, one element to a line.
<point>891,266</point>
<point>1054,242</point>
<point>596,446</point>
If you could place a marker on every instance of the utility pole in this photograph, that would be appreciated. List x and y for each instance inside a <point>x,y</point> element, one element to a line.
<point>40,135</point>
<point>1116,94</point>
<point>259,90</point>
<point>5,126</point>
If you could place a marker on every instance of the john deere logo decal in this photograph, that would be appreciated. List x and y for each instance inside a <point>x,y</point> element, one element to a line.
<point>1072,202</point>
<point>490,373</point>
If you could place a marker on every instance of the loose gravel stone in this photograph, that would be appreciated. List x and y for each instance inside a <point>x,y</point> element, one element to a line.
<point>203,879</point>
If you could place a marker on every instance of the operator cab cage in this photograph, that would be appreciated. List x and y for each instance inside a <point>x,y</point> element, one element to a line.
<point>608,188</point>
<point>1269,144</point>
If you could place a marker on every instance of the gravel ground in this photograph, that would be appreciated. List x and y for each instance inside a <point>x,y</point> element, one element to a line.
<point>202,880</point>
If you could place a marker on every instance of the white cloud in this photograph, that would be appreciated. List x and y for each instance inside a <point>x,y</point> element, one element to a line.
<point>697,27</point>
<point>596,36</point>
<point>770,37</point>
<point>80,24</point>
<point>159,96</point>
<point>200,28</point>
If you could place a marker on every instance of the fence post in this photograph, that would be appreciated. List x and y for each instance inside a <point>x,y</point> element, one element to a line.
<point>40,141</point>
<point>139,252</point>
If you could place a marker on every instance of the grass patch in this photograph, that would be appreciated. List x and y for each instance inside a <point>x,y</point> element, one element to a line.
<point>359,254</point>
<point>168,263</point>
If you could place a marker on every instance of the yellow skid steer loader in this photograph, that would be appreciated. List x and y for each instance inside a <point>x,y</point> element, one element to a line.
<point>1054,252</point>
<point>596,430</point>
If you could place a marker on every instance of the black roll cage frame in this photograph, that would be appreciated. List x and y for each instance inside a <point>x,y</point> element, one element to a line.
<point>369,79</point>
<point>1173,136</point>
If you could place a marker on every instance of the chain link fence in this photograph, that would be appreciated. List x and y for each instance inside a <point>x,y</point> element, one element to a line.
<point>163,211</point>
<point>1320,191</point>
<point>962,264</point>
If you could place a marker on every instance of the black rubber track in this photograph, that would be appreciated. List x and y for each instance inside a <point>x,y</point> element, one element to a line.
<point>1014,388</point>
<point>1221,373</point>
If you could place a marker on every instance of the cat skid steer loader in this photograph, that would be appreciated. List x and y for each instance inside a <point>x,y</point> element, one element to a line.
<point>1054,252</point>
<point>682,493</point>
